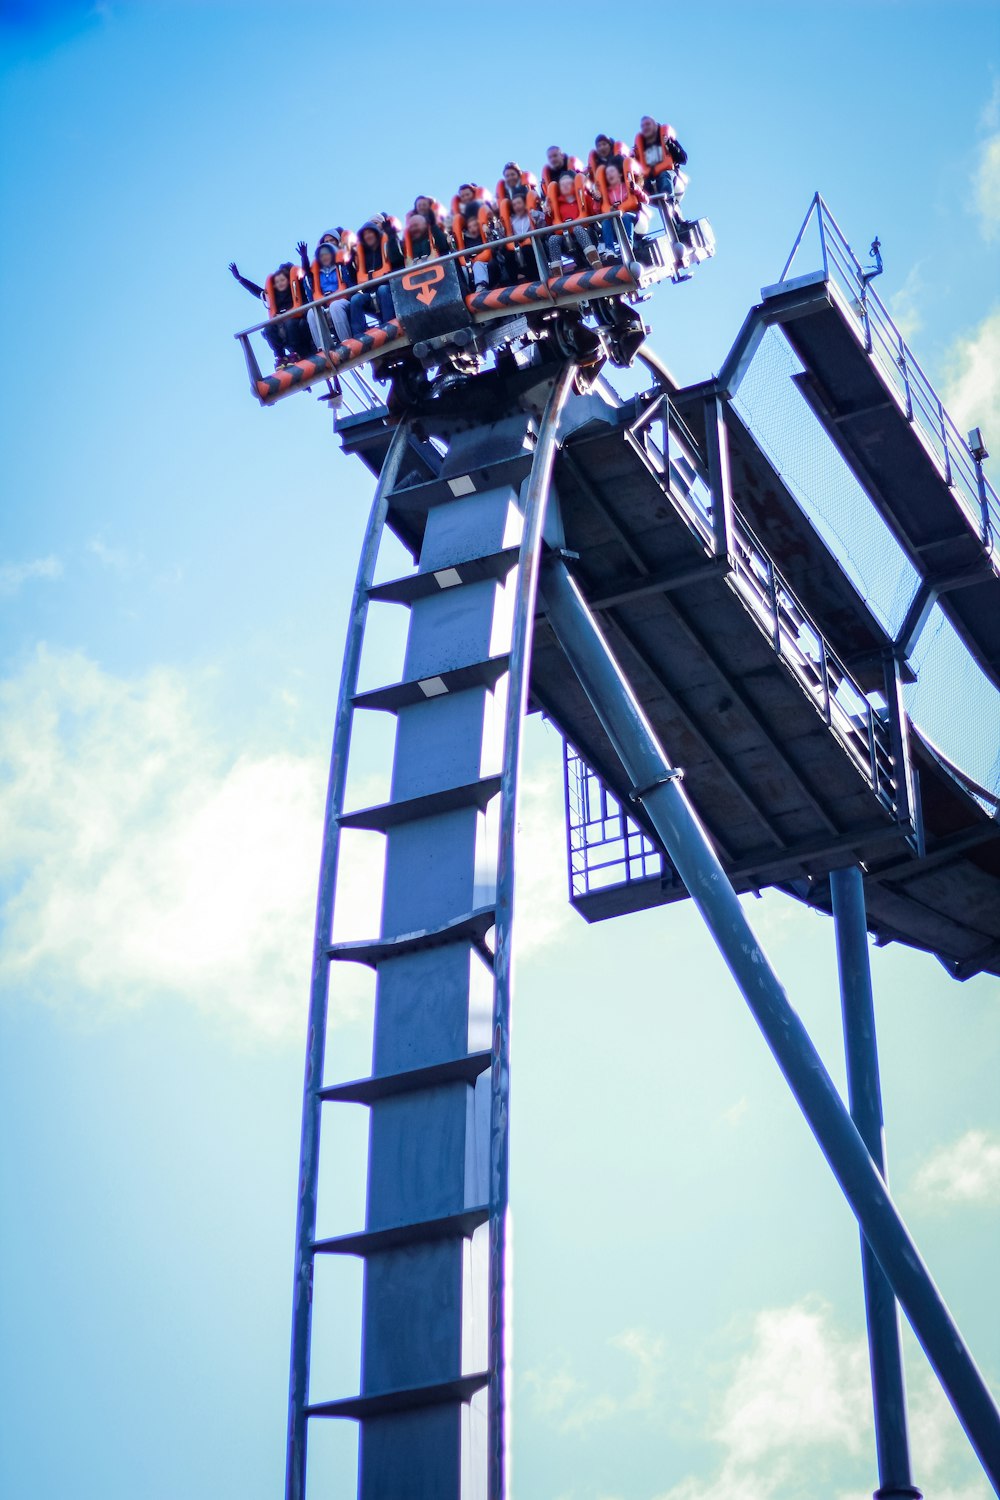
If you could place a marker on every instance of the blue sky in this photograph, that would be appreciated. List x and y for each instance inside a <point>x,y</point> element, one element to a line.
<point>175,567</point>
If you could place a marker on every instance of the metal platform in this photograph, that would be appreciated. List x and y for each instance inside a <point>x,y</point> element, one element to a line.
<point>791,766</point>
<point>880,410</point>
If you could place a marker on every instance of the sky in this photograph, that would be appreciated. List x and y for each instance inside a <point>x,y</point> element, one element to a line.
<point>175,571</point>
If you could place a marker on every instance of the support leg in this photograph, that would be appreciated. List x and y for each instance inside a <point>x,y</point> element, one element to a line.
<point>865,1096</point>
<point>658,787</point>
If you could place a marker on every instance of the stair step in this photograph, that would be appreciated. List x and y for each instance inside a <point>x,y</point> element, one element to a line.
<point>384,1085</point>
<point>371,1241</point>
<point>415,586</point>
<point>455,680</point>
<point>386,815</point>
<point>462,1388</point>
<point>472,927</point>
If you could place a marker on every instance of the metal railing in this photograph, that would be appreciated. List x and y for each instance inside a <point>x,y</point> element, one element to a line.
<point>606,848</point>
<point>861,728</point>
<point>916,396</point>
<point>536,237</point>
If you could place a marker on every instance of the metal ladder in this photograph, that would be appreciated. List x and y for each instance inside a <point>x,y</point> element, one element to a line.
<point>432,1398</point>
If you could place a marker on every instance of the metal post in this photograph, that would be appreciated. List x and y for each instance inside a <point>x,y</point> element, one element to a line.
<point>719,481</point>
<point>865,1096</point>
<point>690,851</point>
<point>899,739</point>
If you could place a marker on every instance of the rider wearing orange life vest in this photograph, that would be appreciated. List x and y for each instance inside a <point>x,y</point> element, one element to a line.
<point>378,253</point>
<point>290,338</point>
<point>568,199</point>
<point>660,157</point>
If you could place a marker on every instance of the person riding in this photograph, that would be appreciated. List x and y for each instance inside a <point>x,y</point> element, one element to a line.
<point>606,150</point>
<point>424,204</point>
<point>557,162</point>
<point>469,192</point>
<point>290,338</point>
<point>520,216</point>
<point>471,232</point>
<point>660,157</point>
<point>378,253</point>
<point>329,271</point>
<point>514,180</point>
<point>568,199</point>
<point>620,193</point>
<point>423,238</point>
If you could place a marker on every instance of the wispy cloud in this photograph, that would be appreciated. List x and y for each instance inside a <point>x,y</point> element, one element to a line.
<point>800,1389</point>
<point>14,575</point>
<point>986,178</point>
<point>967,1171</point>
<point>572,1405</point>
<point>972,379</point>
<point>794,1420</point>
<point>140,858</point>
<point>543,910</point>
<point>906,303</point>
<point>987,187</point>
<point>116,558</point>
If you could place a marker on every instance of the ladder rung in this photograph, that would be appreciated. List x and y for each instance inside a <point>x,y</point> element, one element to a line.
<point>510,469</point>
<point>473,928</point>
<point>371,1241</point>
<point>384,1085</point>
<point>447,799</point>
<point>422,585</point>
<point>462,1388</point>
<point>421,689</point>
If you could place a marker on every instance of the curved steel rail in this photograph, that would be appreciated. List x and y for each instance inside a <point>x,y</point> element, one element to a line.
<point>305,1229</point>
<point>536,498</point>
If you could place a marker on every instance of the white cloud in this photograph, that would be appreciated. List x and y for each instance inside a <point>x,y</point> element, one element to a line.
<point>801,1385</point>
<point>797,1402</point>
<point>139,858</point>
<point>543,910</point>
<point>987,186</point>
<point>569,1405</point>
<point>906,303</point>
<point>794,1420</point>
<point>115,558</point>
<point>972,383</point>
<point>967,1171</point>
<point>13,575</point>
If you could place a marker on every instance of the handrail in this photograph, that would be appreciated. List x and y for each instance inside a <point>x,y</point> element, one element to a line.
<point>795,638</point>
<point>545,230</point>
<point>961,471</point>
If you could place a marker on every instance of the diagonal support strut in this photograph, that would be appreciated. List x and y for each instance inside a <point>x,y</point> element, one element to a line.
<point>696,862</point>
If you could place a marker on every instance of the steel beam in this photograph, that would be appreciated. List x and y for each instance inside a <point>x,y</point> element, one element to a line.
<point>864,1092</point>
<point>657,786</point>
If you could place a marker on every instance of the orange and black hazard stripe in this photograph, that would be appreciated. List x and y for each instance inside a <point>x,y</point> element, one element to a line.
<point>601,279</point>
<point>304,371</point>
<point>523,294</point>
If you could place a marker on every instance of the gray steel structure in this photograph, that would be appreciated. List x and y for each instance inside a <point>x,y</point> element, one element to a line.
<point>685,601</point>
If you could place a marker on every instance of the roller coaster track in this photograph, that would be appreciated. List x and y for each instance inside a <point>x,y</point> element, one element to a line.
<point>435,1283</point>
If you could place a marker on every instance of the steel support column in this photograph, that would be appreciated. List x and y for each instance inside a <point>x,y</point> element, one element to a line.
<point>864,1093</point>
<point>657,786</point>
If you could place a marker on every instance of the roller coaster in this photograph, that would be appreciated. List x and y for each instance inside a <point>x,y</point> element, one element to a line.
<point>642,570</point>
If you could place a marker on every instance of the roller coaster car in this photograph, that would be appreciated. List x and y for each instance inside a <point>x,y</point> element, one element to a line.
<point>441,327</point>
